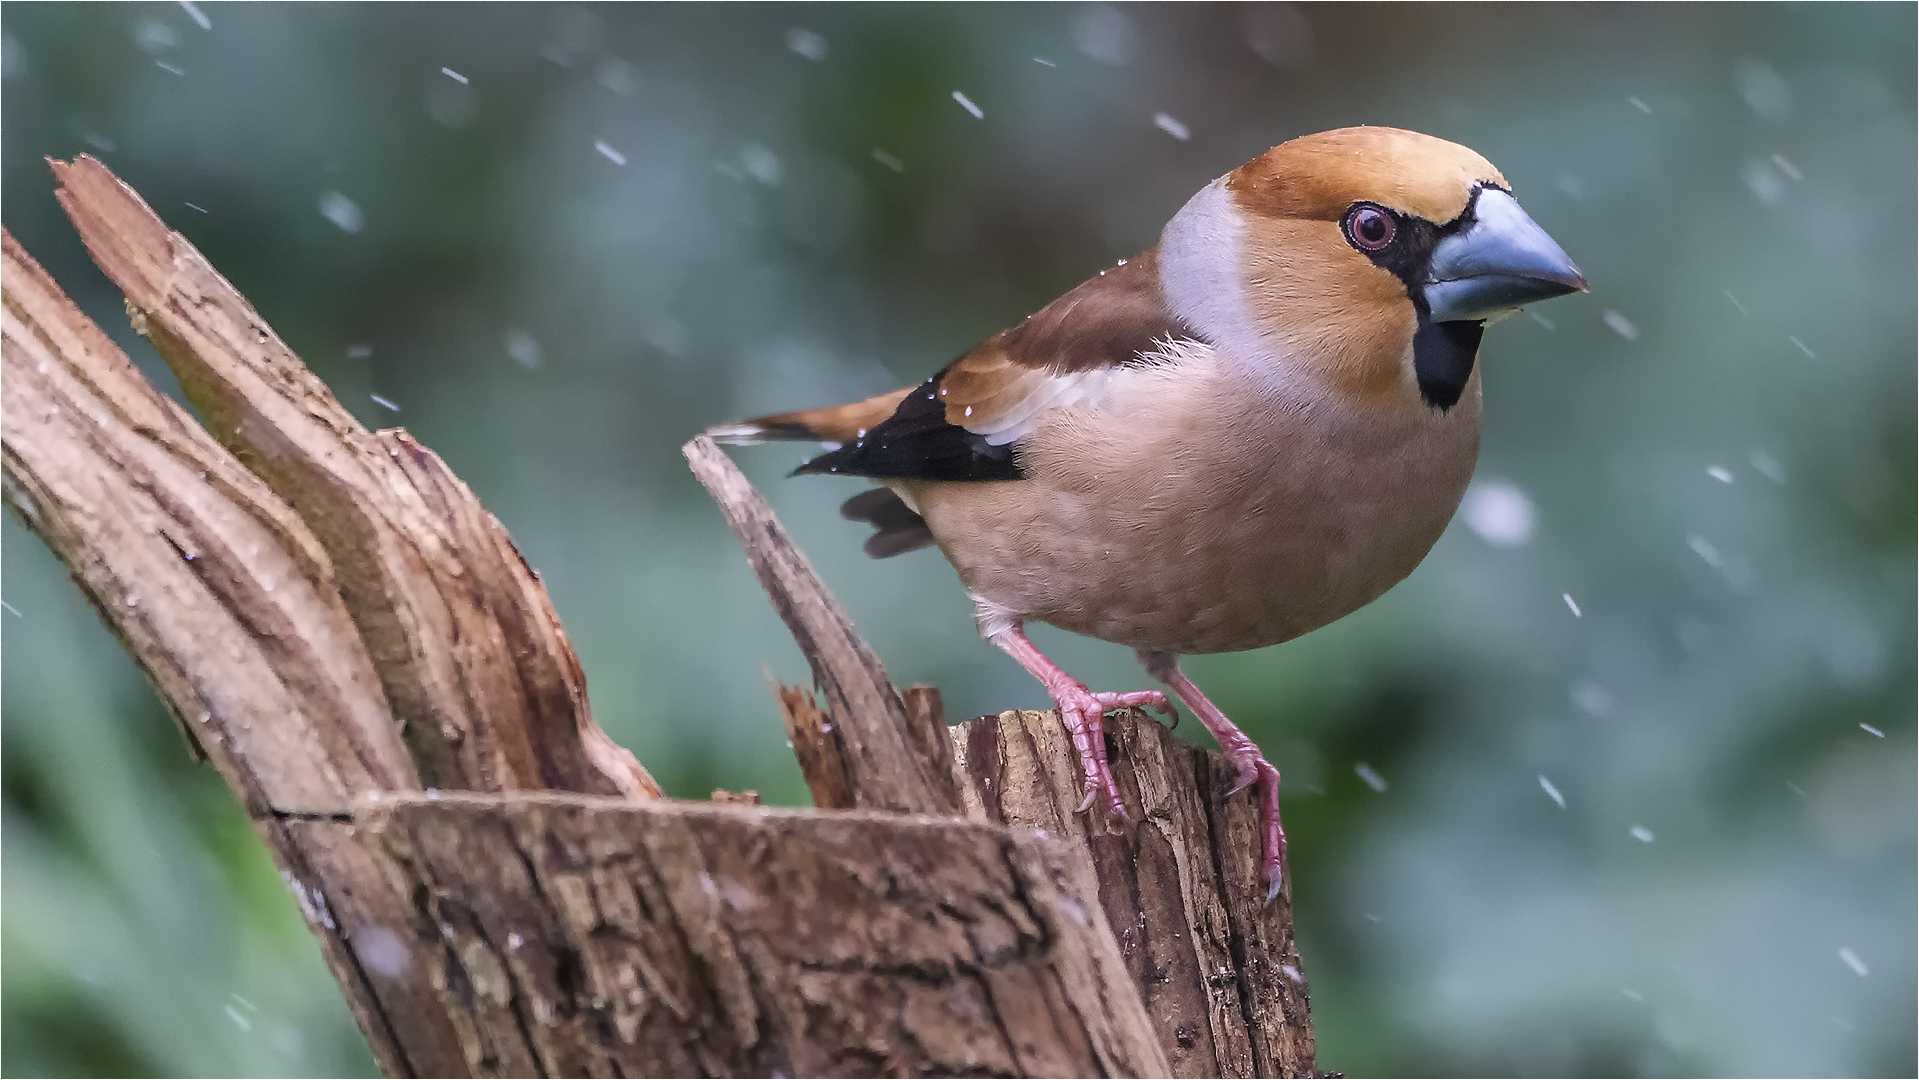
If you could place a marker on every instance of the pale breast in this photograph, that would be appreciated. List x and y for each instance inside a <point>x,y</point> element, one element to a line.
<point>1192,511</point>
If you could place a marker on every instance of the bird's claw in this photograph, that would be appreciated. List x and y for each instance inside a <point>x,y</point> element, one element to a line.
<point>1115,809</point>
<point>1095,788</point>
<point>1274,874</point>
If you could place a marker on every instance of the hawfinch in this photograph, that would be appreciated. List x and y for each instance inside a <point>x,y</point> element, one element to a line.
<point>1250,429</point>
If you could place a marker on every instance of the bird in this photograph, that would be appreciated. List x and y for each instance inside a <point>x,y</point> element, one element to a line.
<point>1251,429</point>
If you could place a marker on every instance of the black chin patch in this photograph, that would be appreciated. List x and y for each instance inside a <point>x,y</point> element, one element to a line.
<point>1443,354</point>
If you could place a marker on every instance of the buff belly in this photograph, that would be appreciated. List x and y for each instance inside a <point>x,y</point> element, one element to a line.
<point>1144,540</point>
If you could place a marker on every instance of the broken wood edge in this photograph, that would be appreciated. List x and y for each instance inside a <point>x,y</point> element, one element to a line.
<point>227,603</point>
<point>821,756</point>
<point>926,725</point>
<point>885,764</point>
<point>468,649</point>
<point>821,753</point>
<point>570,935</point>
<point>217,589</point>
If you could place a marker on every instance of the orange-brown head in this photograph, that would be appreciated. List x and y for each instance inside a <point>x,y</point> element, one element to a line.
<point>1368,257</point>
<point>1319,177</point>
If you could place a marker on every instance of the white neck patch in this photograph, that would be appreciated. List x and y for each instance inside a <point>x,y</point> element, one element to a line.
<point>1202,254</point>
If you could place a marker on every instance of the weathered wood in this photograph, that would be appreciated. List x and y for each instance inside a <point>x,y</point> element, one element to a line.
<point>224,598</point>
<point>589,937</point>
<point>190,559</point>
<point>867,729</point>
<point>352,905</point>
<point>468,648</point>
<point>822,757</point>
<point>926,726</point>
<point>1216,966</point>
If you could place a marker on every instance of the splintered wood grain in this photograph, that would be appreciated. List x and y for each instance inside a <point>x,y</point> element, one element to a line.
<point>199,569</point>
<point>1217,968</point>
<point>822,757</point>
<point>886,765</point>
<point>578,936</point>
<point>465,642</point>
<point>224,598</point>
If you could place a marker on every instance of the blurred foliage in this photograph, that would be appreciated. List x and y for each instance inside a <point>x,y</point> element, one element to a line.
<point>562,239</point>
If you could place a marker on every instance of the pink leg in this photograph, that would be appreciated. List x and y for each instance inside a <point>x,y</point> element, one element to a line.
<point>1242,752</point>
<point>1080,709</point>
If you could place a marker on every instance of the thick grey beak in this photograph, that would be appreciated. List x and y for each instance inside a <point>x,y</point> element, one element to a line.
<point>1502,262</point>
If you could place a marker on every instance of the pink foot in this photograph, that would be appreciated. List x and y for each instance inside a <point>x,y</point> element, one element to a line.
<point>1081,710</point>
<point>1253,768</point>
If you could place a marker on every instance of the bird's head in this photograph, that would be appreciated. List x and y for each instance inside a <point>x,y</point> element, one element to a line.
<point>1375,257</point>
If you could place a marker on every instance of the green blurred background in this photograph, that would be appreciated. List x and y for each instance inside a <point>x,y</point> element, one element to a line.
<point>562,239</point>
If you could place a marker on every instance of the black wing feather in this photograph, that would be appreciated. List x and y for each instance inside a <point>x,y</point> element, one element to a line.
<point>916,443</point>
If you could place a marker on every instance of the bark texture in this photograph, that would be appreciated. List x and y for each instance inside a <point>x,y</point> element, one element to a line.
<point>571,936</point>
<point>1216,966</point>
<point>354,642</point>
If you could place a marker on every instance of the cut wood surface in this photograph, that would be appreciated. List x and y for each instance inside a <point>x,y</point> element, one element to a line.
<point>342,629</point>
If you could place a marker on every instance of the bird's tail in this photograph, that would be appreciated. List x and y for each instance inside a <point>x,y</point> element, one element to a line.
<point>834,424</point>
<point>897,528</point>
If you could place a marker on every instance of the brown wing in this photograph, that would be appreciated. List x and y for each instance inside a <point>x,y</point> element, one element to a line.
<point>1109,320</point>
<point>1106,320</point>
<point>965,422</point>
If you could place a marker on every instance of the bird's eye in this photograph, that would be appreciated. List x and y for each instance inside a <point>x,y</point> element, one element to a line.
<point>1369,227</point>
